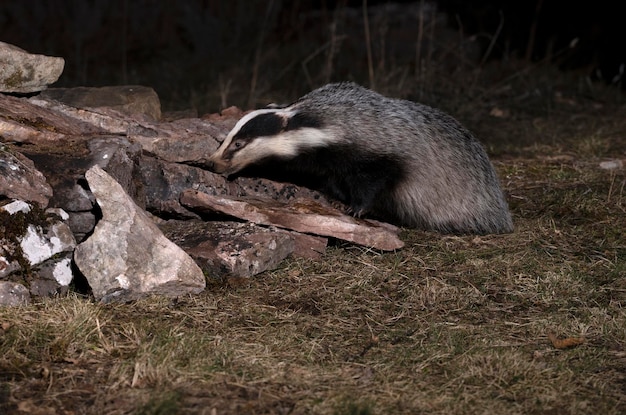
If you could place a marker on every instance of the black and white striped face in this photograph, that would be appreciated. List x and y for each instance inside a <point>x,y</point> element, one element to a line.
<point>277,132</point>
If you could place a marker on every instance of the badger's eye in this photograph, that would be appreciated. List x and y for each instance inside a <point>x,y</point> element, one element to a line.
<point>238,144</point>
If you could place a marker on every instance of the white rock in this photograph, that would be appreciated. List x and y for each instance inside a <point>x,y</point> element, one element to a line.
<point>16,206</point>
<point>62,272</point>
<point>38,247</point>
<point>612,165</point>
<point>59,212</point>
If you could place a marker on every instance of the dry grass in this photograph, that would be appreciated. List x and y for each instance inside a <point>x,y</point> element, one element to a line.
<point>448,325</point>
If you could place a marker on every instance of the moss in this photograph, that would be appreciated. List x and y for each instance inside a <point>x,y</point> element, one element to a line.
<point>13,227</point>
<point>15,79</point>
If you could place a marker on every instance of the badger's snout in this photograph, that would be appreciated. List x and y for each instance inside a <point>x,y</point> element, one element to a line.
<point>209,165</point>
<point>217,165</point>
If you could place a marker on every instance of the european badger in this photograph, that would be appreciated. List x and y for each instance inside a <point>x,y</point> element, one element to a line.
<point>390,159</point>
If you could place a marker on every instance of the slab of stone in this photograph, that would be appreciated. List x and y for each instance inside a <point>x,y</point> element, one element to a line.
<point>127,99</point>
<point>25,72</point>
<point>22,121</point>
<point>127,256</point>
<point>20,179</point>
<point>307,246</point>
<point>302,216</point>
<point>230,249</point>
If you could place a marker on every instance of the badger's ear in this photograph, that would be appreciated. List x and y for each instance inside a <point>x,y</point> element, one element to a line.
<point>275,106</point>
<point>296,120</point>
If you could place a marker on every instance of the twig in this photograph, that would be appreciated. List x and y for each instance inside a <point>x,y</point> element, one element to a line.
<point>257,56</point>
<point>493,40</point>
<point>533,31</point>
<point>368,46</point>
<point>420,38</point>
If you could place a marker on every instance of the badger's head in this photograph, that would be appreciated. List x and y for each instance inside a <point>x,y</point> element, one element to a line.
<point>278,133</point>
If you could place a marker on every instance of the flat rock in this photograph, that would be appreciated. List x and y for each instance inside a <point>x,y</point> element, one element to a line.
<point>300,215</point>
<point>164,181</point>
<point>25,72</point>
<point>127,256</point>
<point>19,179</point>
<point>22,121</point>
<point>127,99</point>
<point>182,140</point>
<point>230,249</point>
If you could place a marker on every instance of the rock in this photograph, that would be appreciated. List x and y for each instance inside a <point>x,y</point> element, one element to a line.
<point>19,179</point>
<point>40,235</point>
<point>127,256</point>
<point>24,72</point>
<point>81,223</point>
<point>165,181</point>
<point>118,156</point>
<point>302,215</point>
<point>230,249</point>
<point>65,169</point>
<point>16,206</point>
<point>7,265</point>
<point>37,246</point>
<point>97,119</point>
<point>307,246</point>
<point>13,294</point>
<point>53,278</point>
<point>130,99</point>
<point>612,165</point>
<point>22,121</point>
<point>184,140</point>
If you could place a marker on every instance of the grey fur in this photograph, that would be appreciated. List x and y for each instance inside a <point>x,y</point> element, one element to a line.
<point>401,161</point>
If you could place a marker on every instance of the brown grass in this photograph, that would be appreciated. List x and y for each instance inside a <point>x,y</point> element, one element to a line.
<point>448,325</point>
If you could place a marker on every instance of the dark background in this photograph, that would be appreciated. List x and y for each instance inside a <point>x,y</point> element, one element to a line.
<point>208,54</point>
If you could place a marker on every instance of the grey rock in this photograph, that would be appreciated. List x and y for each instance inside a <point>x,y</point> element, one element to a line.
<point>118,156</point>
<point>73,197</point>
<point>128,257</point>
<point>52,278</point>
<point>81,223</point>
<point>13,294</point>
<point>7,266</point>
<point>24,72</point>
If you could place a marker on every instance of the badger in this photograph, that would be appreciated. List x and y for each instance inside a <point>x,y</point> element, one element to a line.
<point>388,159</point>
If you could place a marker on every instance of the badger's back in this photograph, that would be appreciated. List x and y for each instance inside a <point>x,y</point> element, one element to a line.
<point>442,177</point>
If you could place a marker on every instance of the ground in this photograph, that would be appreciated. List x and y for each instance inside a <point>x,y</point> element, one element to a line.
<point>447,325</point>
